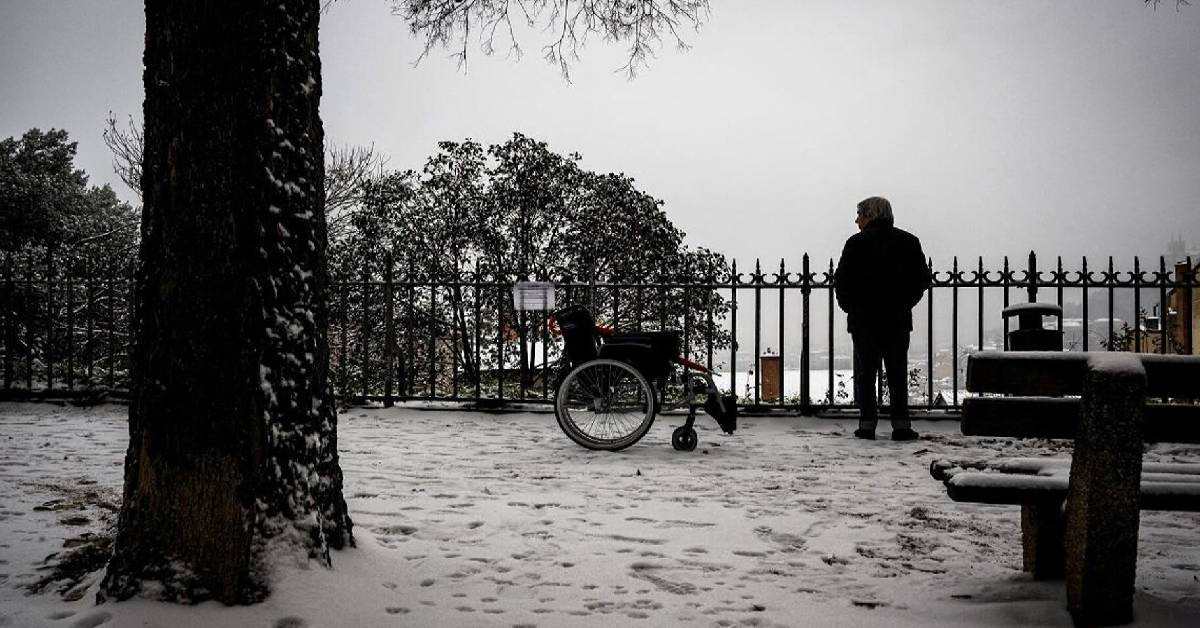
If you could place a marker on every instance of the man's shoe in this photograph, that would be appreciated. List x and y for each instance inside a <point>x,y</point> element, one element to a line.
<point>904,433</point>
<point>864,433</point>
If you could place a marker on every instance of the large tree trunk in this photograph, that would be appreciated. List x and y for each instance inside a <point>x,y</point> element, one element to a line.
<point>233,448</point>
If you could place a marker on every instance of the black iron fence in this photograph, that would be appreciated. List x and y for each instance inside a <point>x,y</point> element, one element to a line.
<point>396,336</point>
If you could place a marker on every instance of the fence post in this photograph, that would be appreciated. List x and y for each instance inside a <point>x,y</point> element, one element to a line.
<point>10,335</point>
<point>29,321</point>
<point>343,354</point>
<point>389,332</point>
<point>89,347</point>
<point>1164,308</point>
<point>1189,324</point>
<point>478,366</point>
<point>1006,278</point>
<point>955,279</point>
<point>756,361</point>
<point>70,306</point>
<point>733,343</point>
<point>1032,288</point>
<point>48,353</point>
<point>1084,280</point>
<point>928,340</point>
<point>1059,279</point>
<point>112,326</point>
<point>781,279</point>
<point>805,348</point>
<point>832,287</point>
<point>409,363</point>
<point>1137,305</point>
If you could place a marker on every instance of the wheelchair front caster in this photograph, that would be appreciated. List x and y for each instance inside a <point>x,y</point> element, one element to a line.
<point>684,438</point>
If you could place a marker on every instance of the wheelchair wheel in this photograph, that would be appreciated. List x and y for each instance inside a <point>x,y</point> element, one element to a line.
<point>684,438</point>
<point>604,404</point>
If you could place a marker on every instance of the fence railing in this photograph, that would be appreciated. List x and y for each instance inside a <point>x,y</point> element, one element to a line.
<point>396,337</point>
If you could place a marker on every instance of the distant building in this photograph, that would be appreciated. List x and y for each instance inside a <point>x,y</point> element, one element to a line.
<point>1178,309</point>
<point>1172,325</point>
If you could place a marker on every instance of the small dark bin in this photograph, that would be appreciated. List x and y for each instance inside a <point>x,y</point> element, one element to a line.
<point>1029,334</point>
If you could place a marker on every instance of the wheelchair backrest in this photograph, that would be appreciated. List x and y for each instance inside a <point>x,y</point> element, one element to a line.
<point>580,340</point>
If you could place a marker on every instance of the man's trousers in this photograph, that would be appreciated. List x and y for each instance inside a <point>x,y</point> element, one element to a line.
<point>870,348</point>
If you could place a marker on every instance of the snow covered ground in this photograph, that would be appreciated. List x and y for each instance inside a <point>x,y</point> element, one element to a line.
<point>467,519</point>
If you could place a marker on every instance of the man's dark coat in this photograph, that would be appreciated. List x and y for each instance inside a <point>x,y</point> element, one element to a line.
<point>880,277</point>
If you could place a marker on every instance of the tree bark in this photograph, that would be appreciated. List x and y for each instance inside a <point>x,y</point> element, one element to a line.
<point>233,447</point>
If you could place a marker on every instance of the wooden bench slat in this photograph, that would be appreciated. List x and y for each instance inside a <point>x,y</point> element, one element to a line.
<point>1045,373</point>
<point>1026,372</point>
<point>1057,417</point>
<point>1010,489</point>
<point>946,468</point>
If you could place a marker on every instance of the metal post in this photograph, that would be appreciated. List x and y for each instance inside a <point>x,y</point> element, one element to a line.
<point>616,299</point>
<point>431,391</point>
<point>1137,305</point>
<point>1059,278</point>
<point>29,321</point>
<point>410,334</point>
<point>89,270</point>
<point>48,353</point>
<point>805,348</point>
<point>687,329</point>
<point>389,331</point>
<point>955,278</point>
<point>524,353</point>
<point>1032,288</point>
<point>1005,279</point>
<point>365,335</point>
<point>10,336</point>
<point>112,325</point>
<point>733,344</point>
<point>478,329</point>
<point>756,361</point>
<point>70,327</point>
<point>499,337</point>
<point>1189,281</point>
<point>928,339</point>
<point>343,357</point>
<point>829,362</point>
<point>1084,281</point>
<point>781,279</point>
<point>1111,279</point>
<point>1164,309</point>
<point>981,276</point>
<point>710,292</point>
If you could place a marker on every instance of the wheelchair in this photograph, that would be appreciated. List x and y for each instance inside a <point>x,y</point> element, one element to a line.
<point>613,384</point>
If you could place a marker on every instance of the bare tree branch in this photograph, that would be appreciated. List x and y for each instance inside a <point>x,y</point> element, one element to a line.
<point>641,23</point>
<point>126,147</point>
<point>347,167</point>
<point>1179,4</point>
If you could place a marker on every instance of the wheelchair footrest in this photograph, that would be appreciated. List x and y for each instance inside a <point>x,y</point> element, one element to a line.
<point>727,419</point>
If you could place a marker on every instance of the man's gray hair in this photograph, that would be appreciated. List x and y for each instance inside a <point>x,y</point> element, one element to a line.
<point>875,208</point>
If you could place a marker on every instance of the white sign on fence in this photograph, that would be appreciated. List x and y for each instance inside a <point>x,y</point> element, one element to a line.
<point>533,295</point>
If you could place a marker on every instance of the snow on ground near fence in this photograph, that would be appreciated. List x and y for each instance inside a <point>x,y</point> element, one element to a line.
<point>467,519</point>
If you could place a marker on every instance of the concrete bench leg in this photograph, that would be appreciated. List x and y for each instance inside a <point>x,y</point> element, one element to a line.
<point>1102,502</point>
<point>1042,529</point>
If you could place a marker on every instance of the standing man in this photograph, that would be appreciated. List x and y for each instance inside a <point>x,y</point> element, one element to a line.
<point>880,277</point>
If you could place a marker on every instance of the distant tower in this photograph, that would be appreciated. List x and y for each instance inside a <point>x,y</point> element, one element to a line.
<point>1176,250</point>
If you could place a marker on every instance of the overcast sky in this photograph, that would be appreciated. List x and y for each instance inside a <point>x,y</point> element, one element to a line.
<point>995,127</point>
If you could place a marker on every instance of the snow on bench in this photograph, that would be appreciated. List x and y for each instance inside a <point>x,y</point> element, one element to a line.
<point>1158,491</point>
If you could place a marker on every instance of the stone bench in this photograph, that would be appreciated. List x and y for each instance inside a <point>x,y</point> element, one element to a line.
<point>1079,517</point>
